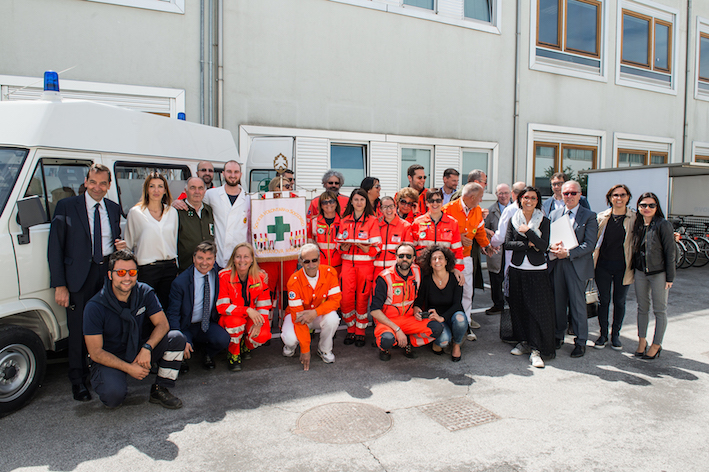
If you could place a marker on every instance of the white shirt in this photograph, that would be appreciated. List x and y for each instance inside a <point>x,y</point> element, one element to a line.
<point>107,243</point>
<point>499,237</point>
<point>231,222</point>
<point>446,196</point>
<point>556,203</point>
<point>313,281</point>
<point>572,216</point>
<point>149,239</point>
<point>199,294</point>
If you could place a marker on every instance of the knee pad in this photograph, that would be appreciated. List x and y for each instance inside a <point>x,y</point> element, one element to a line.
<point>436,328</point>
<point>387,340</point>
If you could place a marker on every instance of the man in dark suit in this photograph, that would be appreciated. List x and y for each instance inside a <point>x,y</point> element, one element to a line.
<point>556,201</point>
<point>192,310</point>
<point>78,260</point>
<point>570,269</point>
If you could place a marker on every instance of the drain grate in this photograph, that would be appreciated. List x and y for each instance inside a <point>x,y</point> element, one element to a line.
<point>458,413</point>
<point>343,423</point>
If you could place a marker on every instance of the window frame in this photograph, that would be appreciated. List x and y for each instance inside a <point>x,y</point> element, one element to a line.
<point>648,156</point>
<point>704,35</point>
<point>169,6</point>
<point>151,167</point>
<point>562,28</point>
<point>557,156</point>
<point>651,42</point>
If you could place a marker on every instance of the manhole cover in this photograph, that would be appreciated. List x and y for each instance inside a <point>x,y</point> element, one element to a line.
<point>343,423</point>
<point>458,413</point>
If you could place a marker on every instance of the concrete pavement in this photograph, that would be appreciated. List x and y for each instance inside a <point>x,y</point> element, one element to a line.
<point>605,411</point>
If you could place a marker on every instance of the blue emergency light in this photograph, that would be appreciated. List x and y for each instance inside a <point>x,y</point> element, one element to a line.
<point>51,81</point>
<point>181,116</point>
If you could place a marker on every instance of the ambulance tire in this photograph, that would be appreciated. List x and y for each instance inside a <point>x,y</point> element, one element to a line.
<point>23,362</point>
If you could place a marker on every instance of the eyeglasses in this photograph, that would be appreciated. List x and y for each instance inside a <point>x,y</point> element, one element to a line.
<point>309,261</point>
<point>651,206</point>
<point>420,177</point>
<point>337,182</point>
<point>405,203</point>
<point>405,256</point>
<point>387,207</point>
<point>619,195</point>
<point>123,272</point>
<point>557,184</point>
<point>570,194</point>
<point>211,171</point>
<point>377,186</point>
<point>436,200</point>
<point>327,202</point>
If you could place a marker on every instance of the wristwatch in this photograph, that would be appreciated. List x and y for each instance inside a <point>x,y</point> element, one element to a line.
<point>148,347</point>
<point>398,328</point>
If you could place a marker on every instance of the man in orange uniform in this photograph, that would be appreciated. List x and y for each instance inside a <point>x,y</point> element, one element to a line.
<point>392,307</point>
<point>393,231</point>
<point>435,227</point>
<point>313,299</point>
<point>466,210</point>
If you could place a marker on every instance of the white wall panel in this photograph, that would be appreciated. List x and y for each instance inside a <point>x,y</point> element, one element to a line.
<point>312,160</point>
<point>445,157</point>
<point>384,165</point>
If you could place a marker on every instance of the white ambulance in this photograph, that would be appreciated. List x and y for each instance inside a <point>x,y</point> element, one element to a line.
<point>45,148</point>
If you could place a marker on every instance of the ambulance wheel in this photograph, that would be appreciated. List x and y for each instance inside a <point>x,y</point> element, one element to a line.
<point>23,362</point>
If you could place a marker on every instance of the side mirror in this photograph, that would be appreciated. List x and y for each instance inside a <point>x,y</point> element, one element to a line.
<point>30,212</point>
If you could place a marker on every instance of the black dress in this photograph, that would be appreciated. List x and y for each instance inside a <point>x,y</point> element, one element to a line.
<point>531,298</point>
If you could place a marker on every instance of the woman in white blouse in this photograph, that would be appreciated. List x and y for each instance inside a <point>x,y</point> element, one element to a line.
<point>151,233</point>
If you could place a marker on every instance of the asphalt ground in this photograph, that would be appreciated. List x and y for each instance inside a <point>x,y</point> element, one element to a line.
<point>605,411</point>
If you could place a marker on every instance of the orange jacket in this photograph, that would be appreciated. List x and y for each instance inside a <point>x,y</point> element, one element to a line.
<point>401,293</point>
<point>419,209</point>
<point>324,298</point>
<point>471,226</point>
<point>324,236</point>
<point>364,230</point>
<point>392,235</point>
<point>445,233</point>
<point>230,300</point>
<point>313,208</point>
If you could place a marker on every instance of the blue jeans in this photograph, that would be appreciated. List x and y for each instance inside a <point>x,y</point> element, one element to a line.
<point>455,329</point>
<point>609,275</point>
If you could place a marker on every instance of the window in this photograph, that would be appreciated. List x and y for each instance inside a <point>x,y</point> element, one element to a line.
<point>260,178</point>
<point>701,90</point>
<point>411,156</point>
<point>646,46</point>
<point>635,158</point>
<point>57,179</point>
<point>477,160</point>
<point>10,164</point>
<point>704,57</point>
<point>478,10</point>
<point>427,4</point>
<point>550,158</point>
<point>130,178</point>
<point>701,159</point>
<point>172,6</point>
<point>351,161</point>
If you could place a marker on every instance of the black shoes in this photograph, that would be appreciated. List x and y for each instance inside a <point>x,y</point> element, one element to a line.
<point>235,363</point>
<point>615,343</point>
<point>578,351</point>
<point>384,355</point>
<point>349,339</point>
<point>81,393</point>
<point>359,340</point>
<point>494,310</point>
<point>184,367</point>
<point>409,352</point>
<point>601,342</point>
<point>208,363</point>
<point>645,356</point>
<point>558,343</point>
<point>163,397</point>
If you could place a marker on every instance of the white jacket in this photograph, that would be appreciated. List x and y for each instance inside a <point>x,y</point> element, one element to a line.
<point>231,222</point>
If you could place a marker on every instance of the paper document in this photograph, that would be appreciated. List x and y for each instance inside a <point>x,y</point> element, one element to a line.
<point>561,230</point>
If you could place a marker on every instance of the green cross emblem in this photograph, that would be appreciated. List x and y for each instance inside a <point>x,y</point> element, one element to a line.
<point>279,229</point>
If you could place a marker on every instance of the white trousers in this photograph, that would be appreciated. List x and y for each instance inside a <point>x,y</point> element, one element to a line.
<point>468,286</point>
<point>327,324</point>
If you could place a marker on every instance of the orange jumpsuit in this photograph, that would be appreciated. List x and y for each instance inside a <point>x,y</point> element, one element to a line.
<point>393,234</point>
<point>357,268</point>
<point>398,307</point>
<point>313,208</point>
<point>444,233</point>
<point>471,225</point>
<point>324,299</point>
<point>324,236</point>
<point>232,302</point>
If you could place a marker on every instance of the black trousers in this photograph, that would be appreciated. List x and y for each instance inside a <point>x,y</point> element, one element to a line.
<point>159,275</point>
<point>78,370</point>
<point>496,289</point>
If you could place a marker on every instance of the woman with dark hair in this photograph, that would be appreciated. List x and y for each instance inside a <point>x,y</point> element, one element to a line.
<point>244,304</point>
<point>358,241</point>
<point>531,298</point>
<point>151,233</point>
<point>324,227</point>
<point>393,231</point>
<point>654,264</point>
<point>373,189</point>
<point>440,299</point>
<point>613,259</point>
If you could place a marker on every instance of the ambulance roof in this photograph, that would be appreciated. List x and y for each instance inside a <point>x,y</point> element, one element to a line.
<point>90,126</point>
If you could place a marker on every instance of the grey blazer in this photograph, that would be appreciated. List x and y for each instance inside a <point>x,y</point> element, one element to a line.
<point>586,229</point>
<point>494,263</point>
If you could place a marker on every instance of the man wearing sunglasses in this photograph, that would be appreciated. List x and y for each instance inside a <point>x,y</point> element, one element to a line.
<point>333,181</point>
<point>556,201</point>
<point>313,299</point>
<point>392,307</point>
<point>120,342</point>
<point>205,171</point>
<point>570,269</point>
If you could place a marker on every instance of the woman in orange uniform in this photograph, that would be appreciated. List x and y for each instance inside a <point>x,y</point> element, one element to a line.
<point>243,303</point>
<point>358,242</point>
<point>393,231</point>
<point>323,229</point>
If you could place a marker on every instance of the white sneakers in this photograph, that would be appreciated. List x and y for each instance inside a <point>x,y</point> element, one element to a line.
<point>536,359</point>
<point>521,349</point>
<point>471,335</point>
<point>288,351</point>
<point>327,357</point>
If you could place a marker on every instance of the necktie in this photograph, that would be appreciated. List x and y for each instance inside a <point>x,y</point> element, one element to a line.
<point>206,305</point>
<point>98,240</point>
<point>568,212</point>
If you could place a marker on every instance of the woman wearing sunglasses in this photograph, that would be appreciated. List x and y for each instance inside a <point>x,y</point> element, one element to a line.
<point>359,242</point>
<point>323,229</point>
<point>151,233</point>
<point>406,200</point>
<point>654,264</point>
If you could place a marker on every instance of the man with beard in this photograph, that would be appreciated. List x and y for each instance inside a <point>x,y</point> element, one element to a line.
<point>205,171</point>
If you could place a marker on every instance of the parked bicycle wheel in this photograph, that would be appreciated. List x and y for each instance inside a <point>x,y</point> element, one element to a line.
<point>679,260</point>
<point>703,256</point>
<point>691,251</point>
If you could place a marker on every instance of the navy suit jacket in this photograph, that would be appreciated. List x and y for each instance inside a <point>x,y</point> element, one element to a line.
<point>586,229</point>
<point>70,247</point>
<point>179,312</point>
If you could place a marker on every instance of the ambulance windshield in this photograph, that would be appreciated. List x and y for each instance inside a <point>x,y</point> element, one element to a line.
<point>10,164</point>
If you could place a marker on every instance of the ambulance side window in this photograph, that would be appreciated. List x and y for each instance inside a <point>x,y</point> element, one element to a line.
<point>130,177</point>
<point>54,180</point>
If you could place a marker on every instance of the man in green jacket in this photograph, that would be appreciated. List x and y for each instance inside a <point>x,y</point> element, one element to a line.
<point>196,222</point>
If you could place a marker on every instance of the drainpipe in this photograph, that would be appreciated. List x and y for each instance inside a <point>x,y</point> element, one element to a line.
<point>210,64</point>
<point>220,64</point>
<point>685,135</point>
<point>515,129</point>
<point>201,61</point>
